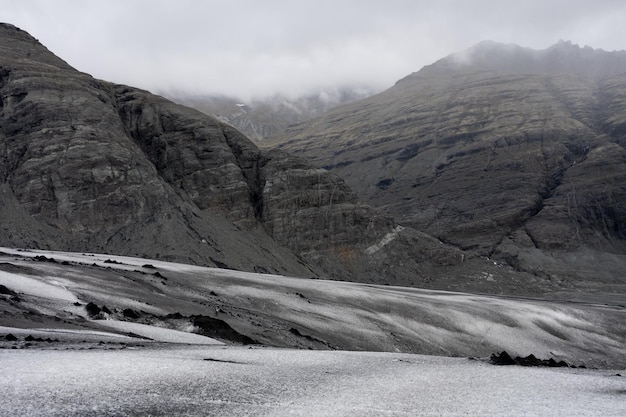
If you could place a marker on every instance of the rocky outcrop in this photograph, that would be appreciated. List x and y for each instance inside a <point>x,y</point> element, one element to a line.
<point>503,358</point>
<point>314,212</point>
<point>501,151</point>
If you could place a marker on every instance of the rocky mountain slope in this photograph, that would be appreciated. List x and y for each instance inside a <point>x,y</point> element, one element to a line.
<point>261,118</point>
<point>88,165</point>
<point>501,151</point>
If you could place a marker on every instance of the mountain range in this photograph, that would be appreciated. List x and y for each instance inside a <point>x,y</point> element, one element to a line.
<point>260,118</point>
<point>472,174</point>
<point>501,151</point>
<point>88,165</point>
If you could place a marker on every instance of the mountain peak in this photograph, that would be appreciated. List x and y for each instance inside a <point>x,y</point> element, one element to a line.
<point>562,57</point>
<point>9,28</point>
<point>18,45</point>
<point>503,151</point>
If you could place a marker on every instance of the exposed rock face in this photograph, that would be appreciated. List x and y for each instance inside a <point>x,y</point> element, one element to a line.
<point>501,151</point>
<point>315,213</point>
<point>87,165</point>
<point>190,152</point>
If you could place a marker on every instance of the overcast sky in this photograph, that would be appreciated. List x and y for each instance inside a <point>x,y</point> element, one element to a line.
<point>253,48</point>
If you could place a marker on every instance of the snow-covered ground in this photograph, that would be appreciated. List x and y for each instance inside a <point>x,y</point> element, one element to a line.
<point>293,312</point>
<point>64,363</point>
<point>159,334</point>
<point>240,381</point>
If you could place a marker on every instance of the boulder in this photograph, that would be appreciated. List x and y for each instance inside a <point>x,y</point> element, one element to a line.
<point>10,338</point>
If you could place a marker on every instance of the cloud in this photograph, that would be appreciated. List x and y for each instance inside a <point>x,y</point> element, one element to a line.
<point>247,47</point>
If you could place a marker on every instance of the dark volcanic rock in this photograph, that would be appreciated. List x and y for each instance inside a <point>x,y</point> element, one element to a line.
<point>213,327</point>
<point>531,360</point>
<point>503,152</point>
<point>502,359</point>
<point>6,291</point>
<point>93,310</point>
<point>130,313</point>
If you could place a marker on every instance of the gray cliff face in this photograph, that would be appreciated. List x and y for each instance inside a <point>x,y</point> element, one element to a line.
<point>315,213</point>
<point>189,151</point>
<point>501,151</point>
<point>87,165</point>
<point>75,177</point>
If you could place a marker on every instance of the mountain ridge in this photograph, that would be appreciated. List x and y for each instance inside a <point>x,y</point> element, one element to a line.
<point>260,118</point>
<point>88,165</point>
<point>563,56</point>
<point>525,167</point>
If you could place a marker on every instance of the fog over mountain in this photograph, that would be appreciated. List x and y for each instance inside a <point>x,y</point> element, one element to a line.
<point>91,165</point>
<point>253,50</point>
<point>507,152</point>
<point>259,118</point>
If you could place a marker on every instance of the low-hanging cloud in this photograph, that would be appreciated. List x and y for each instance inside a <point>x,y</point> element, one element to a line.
<point>248,48</point>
